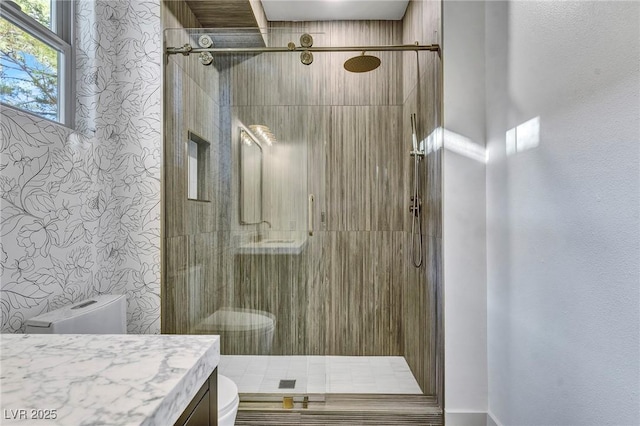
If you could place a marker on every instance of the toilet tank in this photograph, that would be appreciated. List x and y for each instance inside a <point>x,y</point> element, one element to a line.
<point>104,314</point>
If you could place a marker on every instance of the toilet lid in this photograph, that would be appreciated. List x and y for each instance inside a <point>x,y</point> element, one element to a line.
<point>227,395</point>
<point>226,319</point>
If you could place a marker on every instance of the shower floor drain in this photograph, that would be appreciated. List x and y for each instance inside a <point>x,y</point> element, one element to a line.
<point>287,384</point>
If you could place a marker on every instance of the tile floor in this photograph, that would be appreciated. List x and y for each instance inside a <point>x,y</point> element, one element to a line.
<point>320,374</point>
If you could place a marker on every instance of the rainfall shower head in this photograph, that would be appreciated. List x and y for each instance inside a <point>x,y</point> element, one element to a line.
<point>362,63</point>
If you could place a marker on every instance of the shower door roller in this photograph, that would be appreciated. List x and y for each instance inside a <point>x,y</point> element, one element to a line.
<point>306,40</point>
<point>306,57</point>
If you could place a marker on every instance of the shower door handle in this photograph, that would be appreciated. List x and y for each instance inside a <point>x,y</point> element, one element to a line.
<point>311,199</point>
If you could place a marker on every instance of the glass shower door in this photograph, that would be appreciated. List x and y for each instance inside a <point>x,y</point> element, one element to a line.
<point>293,241</point>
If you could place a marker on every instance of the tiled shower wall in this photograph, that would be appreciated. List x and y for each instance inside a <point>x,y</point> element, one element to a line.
<point>343,294</point>
<point>361,294</point>
<point>344,138</point>
<point>81,209</point>
<point>422,309</point>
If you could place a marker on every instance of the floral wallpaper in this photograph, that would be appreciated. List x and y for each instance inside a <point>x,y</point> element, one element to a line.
<point>81,210</point>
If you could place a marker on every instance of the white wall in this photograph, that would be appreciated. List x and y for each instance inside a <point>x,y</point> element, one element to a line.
<point>464,236</point>
<point>562,217</point>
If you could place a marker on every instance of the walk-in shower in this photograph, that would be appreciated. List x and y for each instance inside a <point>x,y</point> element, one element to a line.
<point>324,300</point>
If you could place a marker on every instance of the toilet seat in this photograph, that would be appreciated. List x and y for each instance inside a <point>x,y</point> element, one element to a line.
<point>237,319</point>
<point>242,331</point>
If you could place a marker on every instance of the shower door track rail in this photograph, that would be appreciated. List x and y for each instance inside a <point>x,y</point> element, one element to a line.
<point>187,49</point>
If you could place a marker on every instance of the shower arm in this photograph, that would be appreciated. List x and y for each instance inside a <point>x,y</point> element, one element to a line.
<point>187,49</point>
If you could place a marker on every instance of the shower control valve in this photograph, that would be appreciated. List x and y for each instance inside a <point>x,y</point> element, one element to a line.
<point>416,206</point>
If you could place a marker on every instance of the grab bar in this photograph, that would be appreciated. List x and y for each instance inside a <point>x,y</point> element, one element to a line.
<point>311,199</point>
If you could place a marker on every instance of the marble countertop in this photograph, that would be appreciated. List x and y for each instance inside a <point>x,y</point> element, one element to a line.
<point>102,379</point>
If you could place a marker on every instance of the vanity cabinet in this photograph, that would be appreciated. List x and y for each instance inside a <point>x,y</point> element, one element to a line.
<point>203,408</point>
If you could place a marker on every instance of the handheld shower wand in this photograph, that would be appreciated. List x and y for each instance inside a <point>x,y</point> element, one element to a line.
<point>416,204</point>
<point>414,136</point>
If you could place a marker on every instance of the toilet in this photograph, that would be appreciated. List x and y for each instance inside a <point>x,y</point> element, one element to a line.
<point>228,401</point>
<point>103,314</point>
<point>107,314</point>
<point>242,331</point>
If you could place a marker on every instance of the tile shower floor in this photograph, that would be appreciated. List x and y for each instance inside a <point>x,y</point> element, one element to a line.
<point>320,374</point>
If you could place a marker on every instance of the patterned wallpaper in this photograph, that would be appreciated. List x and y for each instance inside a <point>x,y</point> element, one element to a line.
<point>81,210</point>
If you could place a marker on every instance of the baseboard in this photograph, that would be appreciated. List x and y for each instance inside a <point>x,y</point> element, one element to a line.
<point>458,418</point>
<point>470,418</point>
<point>492,420</point>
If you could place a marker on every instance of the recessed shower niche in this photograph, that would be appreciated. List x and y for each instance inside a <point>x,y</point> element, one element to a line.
<point>198,168</point>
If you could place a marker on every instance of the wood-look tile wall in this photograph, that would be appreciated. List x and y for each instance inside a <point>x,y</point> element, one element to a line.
<point>361,294</point>
<point>344,138</point>
<point>343,294</point>
<point>423,346</point>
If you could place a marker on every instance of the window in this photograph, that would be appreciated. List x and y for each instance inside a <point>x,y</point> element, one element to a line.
<point>36,58</point>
